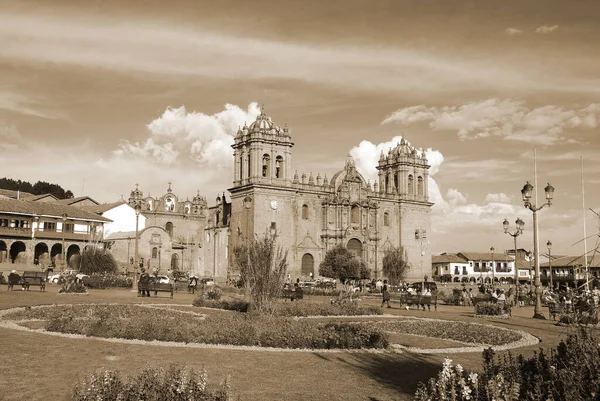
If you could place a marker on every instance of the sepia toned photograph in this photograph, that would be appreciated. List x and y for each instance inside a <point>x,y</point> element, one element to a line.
<point>258,200</point>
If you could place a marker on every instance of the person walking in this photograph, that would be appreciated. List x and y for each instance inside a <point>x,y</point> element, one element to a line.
<point>144,283</point>
<point>385,294</point>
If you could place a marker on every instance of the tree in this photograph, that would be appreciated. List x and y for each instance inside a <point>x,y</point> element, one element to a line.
<point>263,267</point>
<point>94,260</point>
<point>395,264</point>
<point>340,263</point>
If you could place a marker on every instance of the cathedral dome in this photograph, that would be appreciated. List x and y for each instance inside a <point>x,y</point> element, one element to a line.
<point>348,174</point>
<point>264,124</point>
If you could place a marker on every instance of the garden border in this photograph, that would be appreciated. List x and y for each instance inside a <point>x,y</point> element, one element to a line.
<point>526,340</point>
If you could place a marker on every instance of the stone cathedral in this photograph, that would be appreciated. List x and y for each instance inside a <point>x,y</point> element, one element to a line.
<point>311,215</point>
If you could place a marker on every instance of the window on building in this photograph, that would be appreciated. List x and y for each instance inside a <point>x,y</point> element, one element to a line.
<point>169,228</point>
<point>279,167</point>
<point>396,181</point>
<point>411,188</point>
<point>355,214</point>
<point>217,218</point>
<point>387,182</point>
<point>476,268</point>
<point>266,165</point>
<point>69,227</point>
<point>249,165</point>
<point>154,253</point>
<point>386,219</point>
<point>241,167</point>
<point>49,226</point>
<point>305,212</point>
<point>420,187</point>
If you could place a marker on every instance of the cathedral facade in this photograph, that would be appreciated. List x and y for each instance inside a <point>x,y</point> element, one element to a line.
<point>311,215</point>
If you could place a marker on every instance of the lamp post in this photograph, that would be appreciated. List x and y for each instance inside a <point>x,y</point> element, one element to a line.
<point>526,192</point>
<point>493,268</point>
<point>549,246</point>
<point>138,208</point>
<point>519,223</point>
<point>64,219</point>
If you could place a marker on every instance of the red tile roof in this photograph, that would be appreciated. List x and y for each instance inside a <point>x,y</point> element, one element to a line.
<point>47,209</point>
<point>448,258</point>
<point>99,209</point>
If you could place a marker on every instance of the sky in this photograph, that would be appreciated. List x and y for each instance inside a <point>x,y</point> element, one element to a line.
<point>98,95</point>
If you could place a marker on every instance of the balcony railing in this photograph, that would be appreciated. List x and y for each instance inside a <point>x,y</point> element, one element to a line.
<point>68,235</point>
<point>15,232</point>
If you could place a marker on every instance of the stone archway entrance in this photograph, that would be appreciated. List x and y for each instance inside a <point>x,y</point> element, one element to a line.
<point>41,255</point>
<point>308,265</point>
<point>355,247</point>
<point>72,250</point>
<point>174,262</point>
<point>3,252</point>
<point>18,252</point>
<point>56,254</point>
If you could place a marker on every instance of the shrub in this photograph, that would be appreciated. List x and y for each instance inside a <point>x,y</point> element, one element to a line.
<point>96,260</point>
<point>234,305</point>
<point>489,309</point>
<point>107,280</point>
<point>567,372</point>
<point>212,293</point>
<point>176,383</point>
<point>320,309</point>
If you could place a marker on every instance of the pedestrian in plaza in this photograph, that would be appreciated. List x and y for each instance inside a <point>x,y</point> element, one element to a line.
<point>144,283</point>
<point>385,294</point>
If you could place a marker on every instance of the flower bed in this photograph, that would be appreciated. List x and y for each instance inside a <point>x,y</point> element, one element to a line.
<point>138,322</point>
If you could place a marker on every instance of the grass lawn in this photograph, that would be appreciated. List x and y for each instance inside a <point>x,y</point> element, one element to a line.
<point>42,367</point>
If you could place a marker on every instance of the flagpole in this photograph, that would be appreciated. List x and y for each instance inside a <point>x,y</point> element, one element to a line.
<point>585,258</point>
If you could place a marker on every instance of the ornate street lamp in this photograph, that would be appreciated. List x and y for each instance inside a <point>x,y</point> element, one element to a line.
<point>519,230</point>
<point>64,253</point>
<point>549,246</point>
<point>493,268</point>
<point>138,209</point>
<point>526,192</point>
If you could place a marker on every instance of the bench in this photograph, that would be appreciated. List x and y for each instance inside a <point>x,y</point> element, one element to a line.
<point>293,293</point>
<point>34,278</point>
<point>156,288</point>
<point>556,309</point>
<point>419,300</point>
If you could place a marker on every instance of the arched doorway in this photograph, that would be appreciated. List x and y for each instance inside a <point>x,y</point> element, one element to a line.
<point>18,252</point>
<point>174,261</point>
<point>56,254</point>
<point>308,265</point>
<point>3,252</point>
<point>40,254</point>
<point>169,228</point>
<point>355,246</point>
<point>72,250</point>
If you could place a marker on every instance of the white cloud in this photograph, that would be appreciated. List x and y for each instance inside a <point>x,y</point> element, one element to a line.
<point>544,29</point>
<point>506,118</point>
<point>497,198</point>
<point>205,139</point>
<point>18,103</point>
<point>513,31</point>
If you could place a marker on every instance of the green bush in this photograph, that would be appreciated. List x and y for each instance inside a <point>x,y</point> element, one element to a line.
<point>489,309</point>
<point>175,384</point>
<point>567,372</point>
<point>71,285</point>
<point>107,280</point>
<point>321,309</point>
<point>95,260</point>
<point>238,305</point>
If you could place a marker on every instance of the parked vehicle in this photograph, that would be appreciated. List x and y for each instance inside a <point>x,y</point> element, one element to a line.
<point>163,279</point>
<point>55,277</point>
<point>430,285</point>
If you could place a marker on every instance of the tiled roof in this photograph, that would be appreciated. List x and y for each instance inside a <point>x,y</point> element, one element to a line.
<point>486,256</point>
<point>569,261</point>
<point>448,258</point>
<point>99,209</point>
<point>70,201</point>
<point>13,194</point>
<point>119,235</point>
<point>42,196</point>
<point>48,209</point>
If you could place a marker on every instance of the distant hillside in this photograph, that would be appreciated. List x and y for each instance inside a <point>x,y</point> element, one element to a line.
<point>39,188</point>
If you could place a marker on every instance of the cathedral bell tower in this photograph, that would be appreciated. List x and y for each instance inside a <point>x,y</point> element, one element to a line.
<point>262,153</point>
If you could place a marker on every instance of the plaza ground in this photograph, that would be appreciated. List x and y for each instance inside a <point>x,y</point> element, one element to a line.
<point>35,366</point>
